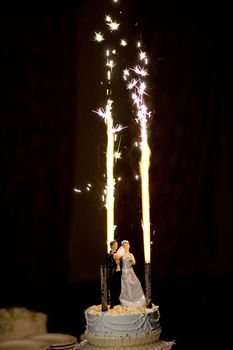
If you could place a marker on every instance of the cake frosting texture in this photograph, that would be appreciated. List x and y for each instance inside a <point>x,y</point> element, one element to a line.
<point>121,321</point>
<point>134,328</point>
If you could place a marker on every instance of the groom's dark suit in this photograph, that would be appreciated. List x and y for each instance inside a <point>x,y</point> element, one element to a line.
<point>113,280</point>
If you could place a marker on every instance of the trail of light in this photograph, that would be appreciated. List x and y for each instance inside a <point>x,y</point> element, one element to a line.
<point>144,172</point>
<point>110,156</point>
<point>110,175</point>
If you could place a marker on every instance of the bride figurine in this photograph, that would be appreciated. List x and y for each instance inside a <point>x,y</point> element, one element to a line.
<point>132,294</point>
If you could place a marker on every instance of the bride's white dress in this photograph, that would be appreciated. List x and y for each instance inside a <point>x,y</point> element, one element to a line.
<point>131,290</point>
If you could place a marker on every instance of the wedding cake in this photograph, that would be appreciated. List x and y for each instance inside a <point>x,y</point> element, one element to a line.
<point>131,324</point>
<point>123,328</point>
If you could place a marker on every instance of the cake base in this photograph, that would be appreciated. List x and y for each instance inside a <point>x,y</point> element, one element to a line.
<point>158,345</point>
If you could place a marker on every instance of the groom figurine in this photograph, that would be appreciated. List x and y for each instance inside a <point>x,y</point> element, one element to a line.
<point>113,275</point>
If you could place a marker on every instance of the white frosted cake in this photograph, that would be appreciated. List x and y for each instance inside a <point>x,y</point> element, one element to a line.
<point>136,328</point>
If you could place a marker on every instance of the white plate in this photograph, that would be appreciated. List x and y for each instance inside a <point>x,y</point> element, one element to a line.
<point>62,347</point>
<point>56,339</point>
<point>23,344</point>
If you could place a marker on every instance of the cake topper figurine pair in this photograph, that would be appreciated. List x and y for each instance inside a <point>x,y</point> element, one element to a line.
<point>124,287</point>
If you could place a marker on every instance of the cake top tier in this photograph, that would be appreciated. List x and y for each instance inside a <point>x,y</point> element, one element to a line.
<point>121,321</point>
<point>121,310</point>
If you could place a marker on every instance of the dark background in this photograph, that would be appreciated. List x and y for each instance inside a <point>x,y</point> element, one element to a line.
<point>53,239</point>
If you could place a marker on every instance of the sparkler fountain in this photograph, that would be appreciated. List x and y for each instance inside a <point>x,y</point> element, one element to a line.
<point>142,117</point>
<point>106,114</point>
<point>126,327</point>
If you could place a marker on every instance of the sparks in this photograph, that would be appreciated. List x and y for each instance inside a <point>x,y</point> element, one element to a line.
<point>123,42</point>
<point>98,37</point>
<point>142,56</point>
<point>132,84</point>
<point>111,129</point>
<point>117,155</point>
<point>113,26</point>
<point>142,116</point>
<point>142,89</point>
<point>118,128</point>
<point>110,64</point>
<point>140,71</point>
<point>100,112</point>
<point>108,19</point>
<point>77,190</point>
<point>125,74</point>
